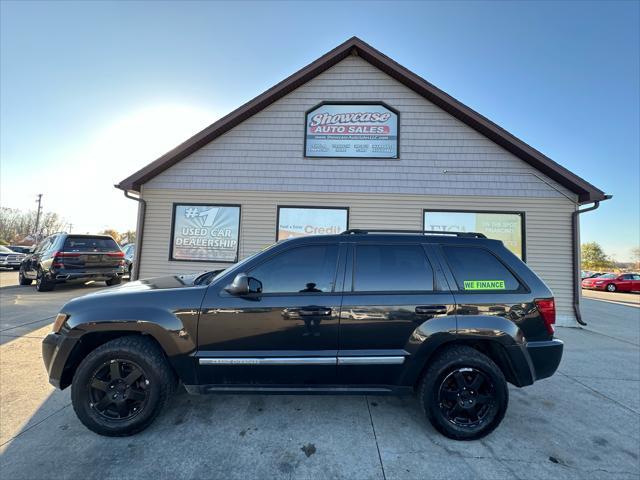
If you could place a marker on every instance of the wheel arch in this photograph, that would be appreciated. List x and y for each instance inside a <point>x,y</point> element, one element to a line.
<point>500,354</point>
<point>92,340</point>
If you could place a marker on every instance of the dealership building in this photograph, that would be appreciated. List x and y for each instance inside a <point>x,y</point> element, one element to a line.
<point>355,140</point>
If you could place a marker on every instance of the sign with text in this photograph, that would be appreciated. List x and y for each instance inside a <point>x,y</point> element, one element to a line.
<point>500,226</point>
<point>351,130</point>
<point>299,222</point>
<point>207,233</point>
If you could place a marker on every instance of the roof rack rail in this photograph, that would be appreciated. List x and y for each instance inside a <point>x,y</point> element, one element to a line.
<point>359,231</point>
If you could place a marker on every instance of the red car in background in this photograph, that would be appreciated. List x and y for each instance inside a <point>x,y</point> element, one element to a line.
<point>625,282</point>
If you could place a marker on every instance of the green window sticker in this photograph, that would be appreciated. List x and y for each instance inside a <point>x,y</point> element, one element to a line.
<point>484,285</point>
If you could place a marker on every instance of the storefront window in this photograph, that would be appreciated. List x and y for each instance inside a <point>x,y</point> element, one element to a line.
<point>505,226</point>
<point>205,233</point>
<point>303,221</point>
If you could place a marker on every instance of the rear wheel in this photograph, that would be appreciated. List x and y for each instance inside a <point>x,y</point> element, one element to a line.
<point>16,268</point>
<point>464,394</point>
<point>611,287</point>
<point>114,281</point>
<point>43,284</point>
<point>121,387</point>
<point>22,280</point>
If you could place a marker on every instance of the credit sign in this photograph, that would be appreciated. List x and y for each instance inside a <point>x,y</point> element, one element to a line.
<point>351,130</point>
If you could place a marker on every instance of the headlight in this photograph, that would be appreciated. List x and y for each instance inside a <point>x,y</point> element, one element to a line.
<point>59,321</point>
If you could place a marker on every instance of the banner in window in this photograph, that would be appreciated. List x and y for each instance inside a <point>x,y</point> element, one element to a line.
<point>500,226</point>
<point>351,130</point>
<point>205,233</point>
<point>303,221</point>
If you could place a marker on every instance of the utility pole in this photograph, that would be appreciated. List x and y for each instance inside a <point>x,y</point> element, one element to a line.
<point>39,202</point>
<point>70,225</point>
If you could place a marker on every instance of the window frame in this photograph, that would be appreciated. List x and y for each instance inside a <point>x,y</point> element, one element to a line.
<point>334,280</point>
<point>307,207</point>
<point>354,255</point>
<point>175,206</point>
<point>523,287</point>
<point>521,213</point>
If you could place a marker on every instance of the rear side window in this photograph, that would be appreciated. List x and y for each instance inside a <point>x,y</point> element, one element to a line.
<point>308,269</point>
<point>389,268</point>
<point>90,244</point>
<point>478,270</point>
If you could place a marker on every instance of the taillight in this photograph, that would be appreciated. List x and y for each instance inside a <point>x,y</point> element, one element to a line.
<point>547,309</point>
<point>116,254</point>
<point>65,255</point>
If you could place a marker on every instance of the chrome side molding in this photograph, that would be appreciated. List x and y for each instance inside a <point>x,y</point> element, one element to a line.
<point>380,360</point>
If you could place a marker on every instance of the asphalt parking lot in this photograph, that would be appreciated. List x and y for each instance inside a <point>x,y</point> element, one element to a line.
<point>584,422</point>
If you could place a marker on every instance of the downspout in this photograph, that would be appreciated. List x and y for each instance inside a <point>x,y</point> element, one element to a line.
<point>142,210</point>
<point>577,278</point>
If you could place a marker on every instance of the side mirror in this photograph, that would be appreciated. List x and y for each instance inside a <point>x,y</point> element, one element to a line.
<point>244,285</point>
<point>32,249</point>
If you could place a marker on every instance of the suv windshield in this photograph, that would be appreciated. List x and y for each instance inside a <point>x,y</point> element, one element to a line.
<point>90,244</point>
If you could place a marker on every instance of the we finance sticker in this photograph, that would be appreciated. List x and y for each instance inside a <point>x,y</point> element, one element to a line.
<point>484,285</point>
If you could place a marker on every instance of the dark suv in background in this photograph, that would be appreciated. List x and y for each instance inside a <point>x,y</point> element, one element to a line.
<point>450,317</point>
<point>67,257</point>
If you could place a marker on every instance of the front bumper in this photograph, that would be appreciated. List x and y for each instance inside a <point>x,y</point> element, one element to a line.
<point>10,264</point>
<point>56,349</point>
<point>545,357</point>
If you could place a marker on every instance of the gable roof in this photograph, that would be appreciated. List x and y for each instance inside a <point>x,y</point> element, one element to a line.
<point>354,46</point>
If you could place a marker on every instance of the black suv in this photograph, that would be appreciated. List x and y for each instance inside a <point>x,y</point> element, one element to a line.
<point>451,317</point>
<point>65,257</point>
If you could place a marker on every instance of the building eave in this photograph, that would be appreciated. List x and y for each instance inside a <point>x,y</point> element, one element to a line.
<point>585,191</point>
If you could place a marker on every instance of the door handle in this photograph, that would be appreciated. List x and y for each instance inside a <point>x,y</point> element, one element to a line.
<point>314,312</point>
<point>431,309</point>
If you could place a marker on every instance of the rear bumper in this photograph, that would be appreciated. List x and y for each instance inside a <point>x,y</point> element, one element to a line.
<point>55,352</point>
<point>545,357</point>
<point>68,276</point>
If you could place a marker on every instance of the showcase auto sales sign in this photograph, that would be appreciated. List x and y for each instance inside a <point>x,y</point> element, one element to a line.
<point>351,130</point>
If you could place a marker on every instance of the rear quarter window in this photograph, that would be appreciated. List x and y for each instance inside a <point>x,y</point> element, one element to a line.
<point>90,244</point>
<point>477,270</point>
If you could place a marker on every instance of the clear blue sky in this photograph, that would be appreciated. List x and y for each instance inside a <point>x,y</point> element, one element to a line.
<point>79,79</point>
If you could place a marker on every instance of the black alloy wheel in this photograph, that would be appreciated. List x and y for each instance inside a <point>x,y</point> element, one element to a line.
<point>464,393</point>
<point>42,283</point>
<point>466,397</point>
<point>120,387</point>
<point>119,390</point>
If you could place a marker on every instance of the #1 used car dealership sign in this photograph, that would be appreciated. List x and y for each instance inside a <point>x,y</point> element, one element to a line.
<point>351,130</point>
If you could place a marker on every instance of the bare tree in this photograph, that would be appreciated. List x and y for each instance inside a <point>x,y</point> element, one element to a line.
<point>16,224</point>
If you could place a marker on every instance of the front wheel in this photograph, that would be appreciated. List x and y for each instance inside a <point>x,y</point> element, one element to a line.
<point>611,287</point>
<point>464,394</point>
<point>121,387</point>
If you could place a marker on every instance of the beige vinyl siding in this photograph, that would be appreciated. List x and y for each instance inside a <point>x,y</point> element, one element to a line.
<point>547,222</point>
<point>271,142</point>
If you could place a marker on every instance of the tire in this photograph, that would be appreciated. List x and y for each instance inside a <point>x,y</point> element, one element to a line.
<point>114,281</point>
<point>22,280</point>
<point>457,370</point>
<point>611,287</point>
<point>152,387</point>
<point>42,284</point>
<point>16,268</point>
